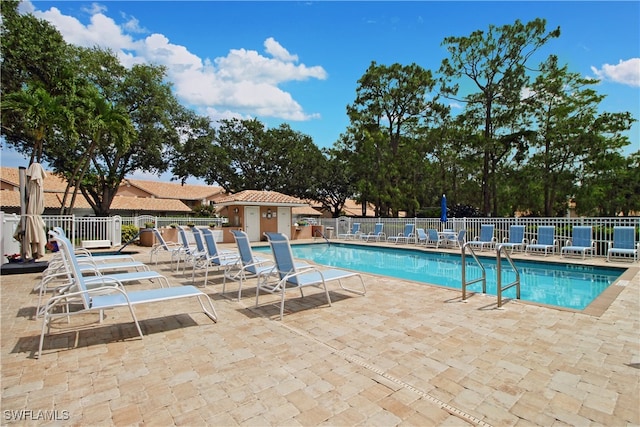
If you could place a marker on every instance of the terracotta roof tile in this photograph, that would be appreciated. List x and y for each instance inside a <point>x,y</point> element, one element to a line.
<point>52,183</point>
<point>148,204</point>
<point>261,197</point>
<point>11,199</point>
<point>174,190</point>
<point>353,208</point>
<point>305,210</point>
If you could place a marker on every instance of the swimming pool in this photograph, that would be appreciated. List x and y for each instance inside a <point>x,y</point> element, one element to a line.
<point>562,285</point>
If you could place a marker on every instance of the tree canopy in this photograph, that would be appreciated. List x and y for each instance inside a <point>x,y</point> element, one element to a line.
<point>530,138</point>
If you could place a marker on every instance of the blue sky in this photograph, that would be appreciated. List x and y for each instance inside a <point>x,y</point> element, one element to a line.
<point>299,62</point>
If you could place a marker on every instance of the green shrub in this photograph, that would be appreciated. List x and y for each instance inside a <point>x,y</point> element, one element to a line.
<point>128,232</point>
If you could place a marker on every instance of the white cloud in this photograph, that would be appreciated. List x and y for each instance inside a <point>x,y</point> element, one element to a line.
<point>243,83</point>
<point>625,72</point>
<point>276,50</point>
<point>95,8</point>
<point>102,31</point>
<point>132,25</point>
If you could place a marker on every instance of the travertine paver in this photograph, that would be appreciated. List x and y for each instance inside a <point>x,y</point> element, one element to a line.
<point>405,354</point>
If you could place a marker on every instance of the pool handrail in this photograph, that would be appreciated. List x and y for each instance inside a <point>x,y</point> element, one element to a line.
<point>466,283</point>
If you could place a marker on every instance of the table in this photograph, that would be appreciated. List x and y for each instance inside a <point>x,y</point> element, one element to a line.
<point>449,236</point>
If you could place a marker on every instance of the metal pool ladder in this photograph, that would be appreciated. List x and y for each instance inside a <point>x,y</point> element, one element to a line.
<point>483,277</point>
<point>499,287</point>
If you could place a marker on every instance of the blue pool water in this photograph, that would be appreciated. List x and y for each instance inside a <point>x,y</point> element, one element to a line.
<point>561,285</point>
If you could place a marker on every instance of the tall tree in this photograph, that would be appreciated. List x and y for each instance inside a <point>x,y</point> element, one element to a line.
<point>390,109</point>
<point>40,114</point>
<point>336,180</point>
<point>127,120</point>
<point>572,137</point>
<point>495,62</point>
<point>246,156</point>
<point>34,73</point>
<point>193,155</point>
<point>102,125</point>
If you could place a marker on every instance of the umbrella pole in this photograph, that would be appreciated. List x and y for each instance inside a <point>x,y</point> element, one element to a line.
<point>22,175</point>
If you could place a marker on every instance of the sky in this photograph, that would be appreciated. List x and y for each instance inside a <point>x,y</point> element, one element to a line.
<point>299,62</point>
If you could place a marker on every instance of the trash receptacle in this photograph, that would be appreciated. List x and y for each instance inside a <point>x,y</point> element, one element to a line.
<point>329,233</point>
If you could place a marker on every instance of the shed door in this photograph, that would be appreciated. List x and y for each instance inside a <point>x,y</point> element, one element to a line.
<point>284,221</point>
<point>252,222</point>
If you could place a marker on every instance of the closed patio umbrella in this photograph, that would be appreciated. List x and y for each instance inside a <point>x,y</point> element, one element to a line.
<point>35,238</point>
<point>443,209</point>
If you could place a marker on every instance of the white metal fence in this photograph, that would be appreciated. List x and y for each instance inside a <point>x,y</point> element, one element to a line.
<point>110,228</point>
<point>602,227</point>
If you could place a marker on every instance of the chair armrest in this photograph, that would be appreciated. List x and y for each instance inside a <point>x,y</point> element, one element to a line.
<point>301,271</point>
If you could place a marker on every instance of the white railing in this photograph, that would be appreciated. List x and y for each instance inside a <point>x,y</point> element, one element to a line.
<point>163,221</point>
<point>602,227</point>
<point>110,228</point>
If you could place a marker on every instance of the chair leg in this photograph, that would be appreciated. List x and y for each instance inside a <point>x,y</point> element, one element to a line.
<point>282,302</point>
<point>362,292</point>
<point>210,313</point>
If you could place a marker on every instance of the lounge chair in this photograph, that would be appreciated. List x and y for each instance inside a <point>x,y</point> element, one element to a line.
<point>404,236</point>
<point>581,242</point>
<point>215,257</point>
<point>250,265</point>
<point>56,275</point>
<point>485,239</point>
<point>84,252</point>
<point>459,240</point>
<point>421,236</point>
<point>187,250</point>
<point>376,235</point>
<point>624,243</point>
<point>516,238</point>
<point>544,242</point>
<point>96,277</point>
<point>172,248</point>
<point>353,234</point>
<point>433,238</point>
<point>111,294</point>
<point>292,277</point>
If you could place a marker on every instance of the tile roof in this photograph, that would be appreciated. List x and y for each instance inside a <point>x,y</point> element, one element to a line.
<point>53,183</point>
<point>174,190</point>
<point>261,197</point>
<point>305,210</point>
<point>148,204</point>
<point>353,208</point>
<point>11,199</point>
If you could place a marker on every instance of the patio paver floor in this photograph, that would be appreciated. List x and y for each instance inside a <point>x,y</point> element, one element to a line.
<point>404,354</point>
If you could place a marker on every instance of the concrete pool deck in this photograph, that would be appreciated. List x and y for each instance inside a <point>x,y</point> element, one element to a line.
<point>404,354</point>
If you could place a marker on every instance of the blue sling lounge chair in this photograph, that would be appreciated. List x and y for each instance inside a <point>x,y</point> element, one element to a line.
<point>581,242</point>
<point>486,238</point>
<point>376,235</point>
<point>544,242</point>
<point>291,277</point>
<point>110,294</point>
<point>516,238</point>
<point>353,234</point>
<point>404,236</point>
<point>624,243</point>
<point>250,265</point>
